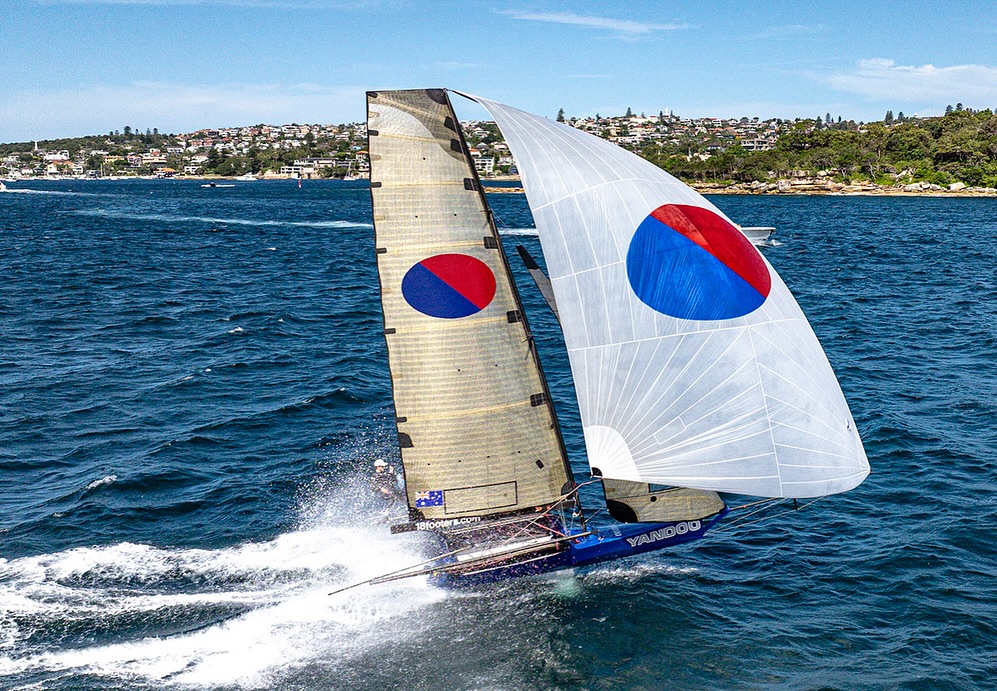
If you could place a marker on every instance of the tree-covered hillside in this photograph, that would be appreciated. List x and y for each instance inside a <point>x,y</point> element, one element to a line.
<point>960,146</point>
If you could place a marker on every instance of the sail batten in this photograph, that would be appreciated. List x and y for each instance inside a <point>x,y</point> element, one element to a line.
<point>693,364</point>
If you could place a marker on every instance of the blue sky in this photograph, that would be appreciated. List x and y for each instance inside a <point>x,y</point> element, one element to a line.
<point>74,67</point>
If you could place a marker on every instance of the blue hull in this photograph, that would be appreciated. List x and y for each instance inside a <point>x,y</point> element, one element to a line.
<point>628,539</point>
<point>603,544</point>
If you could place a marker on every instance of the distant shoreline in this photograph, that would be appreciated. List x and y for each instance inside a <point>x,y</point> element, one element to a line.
<point>785,188</point>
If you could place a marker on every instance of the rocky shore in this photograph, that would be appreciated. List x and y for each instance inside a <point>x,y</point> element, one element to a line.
<point>823,186</point>
<point>810,186</point>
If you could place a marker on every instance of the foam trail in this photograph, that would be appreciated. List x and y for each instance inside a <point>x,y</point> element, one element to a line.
<point>171,218</point>
<point>280,587</point>
<point>61,193</point>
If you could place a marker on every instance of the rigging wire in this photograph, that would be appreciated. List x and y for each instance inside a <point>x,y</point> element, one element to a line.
<point>765,504</point>
<point>425,566</point>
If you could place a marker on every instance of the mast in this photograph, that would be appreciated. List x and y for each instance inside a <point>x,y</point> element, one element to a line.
<point>476,425</point>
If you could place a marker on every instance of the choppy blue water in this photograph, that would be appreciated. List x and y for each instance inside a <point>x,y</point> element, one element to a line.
<point>193,383</point>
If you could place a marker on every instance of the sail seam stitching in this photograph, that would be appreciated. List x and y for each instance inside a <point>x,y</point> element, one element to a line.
<point>768,417</point>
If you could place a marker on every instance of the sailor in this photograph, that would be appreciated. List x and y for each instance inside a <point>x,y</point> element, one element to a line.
<point>384,479</point>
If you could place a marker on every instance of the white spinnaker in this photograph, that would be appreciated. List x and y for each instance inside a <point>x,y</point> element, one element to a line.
<point>748,405</point>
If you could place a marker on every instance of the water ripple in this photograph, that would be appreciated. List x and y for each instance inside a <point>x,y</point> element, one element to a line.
<point>193,386</point>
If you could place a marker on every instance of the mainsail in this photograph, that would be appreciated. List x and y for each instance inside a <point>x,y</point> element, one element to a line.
<point>693,364</point>
<point>476,427</point>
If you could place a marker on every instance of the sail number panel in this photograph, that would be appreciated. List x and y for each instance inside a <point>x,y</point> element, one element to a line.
<point>481,498</point>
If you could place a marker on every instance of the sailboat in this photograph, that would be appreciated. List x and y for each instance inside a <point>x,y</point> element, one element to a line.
<point>698,378</point>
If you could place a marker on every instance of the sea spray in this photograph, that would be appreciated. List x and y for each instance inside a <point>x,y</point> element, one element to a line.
<point>269,599</point>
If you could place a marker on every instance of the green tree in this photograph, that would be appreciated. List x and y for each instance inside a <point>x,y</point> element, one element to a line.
<point>214,159</point>
<point>907,142</point>
<point>233,165</point>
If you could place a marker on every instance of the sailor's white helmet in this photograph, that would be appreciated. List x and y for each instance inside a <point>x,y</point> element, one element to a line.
<point>380,463</point>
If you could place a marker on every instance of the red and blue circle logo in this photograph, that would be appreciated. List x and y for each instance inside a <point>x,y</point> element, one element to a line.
<point>449,286</point>
<point>690,263</point>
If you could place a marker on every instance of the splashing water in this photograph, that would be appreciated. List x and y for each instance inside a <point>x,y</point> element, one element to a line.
<point>238,615</point>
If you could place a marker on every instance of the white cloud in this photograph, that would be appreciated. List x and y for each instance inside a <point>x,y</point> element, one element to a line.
<point>884,80</point>
<point>622,28</point>
<point>172,107</point>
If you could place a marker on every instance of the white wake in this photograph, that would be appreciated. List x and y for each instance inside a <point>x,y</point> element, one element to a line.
<point>178,218</point>
<point>280,587</point>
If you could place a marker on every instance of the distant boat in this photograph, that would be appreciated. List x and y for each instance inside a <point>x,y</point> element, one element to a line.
<point>247,177</point>
<point>215,184</point>
<point>758,235</point>
<point>3,187</point>
<point>696,372</point>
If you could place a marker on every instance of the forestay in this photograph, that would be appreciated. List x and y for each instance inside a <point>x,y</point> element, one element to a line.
<point>475,425</point>
<point>693,364</point>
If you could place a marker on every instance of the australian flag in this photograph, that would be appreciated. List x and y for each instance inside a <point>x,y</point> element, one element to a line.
<point>430,498</point>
